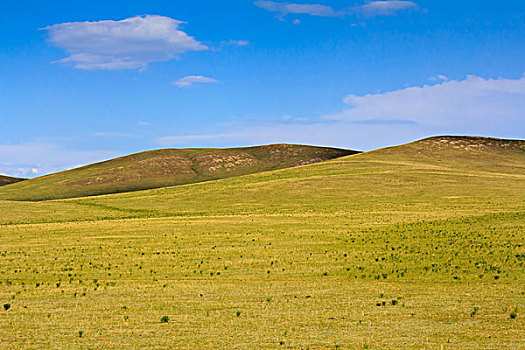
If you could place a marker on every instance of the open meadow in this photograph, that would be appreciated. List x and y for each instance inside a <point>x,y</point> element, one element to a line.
<point>419,246</point>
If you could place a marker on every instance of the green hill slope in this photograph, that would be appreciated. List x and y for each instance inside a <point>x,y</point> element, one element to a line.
<point>167,167</point>
<point>7,180</point>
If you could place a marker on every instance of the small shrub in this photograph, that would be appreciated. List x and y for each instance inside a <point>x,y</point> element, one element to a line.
<point>164,319</point>
<point>7,307</point>
<point>80,333</point>
<point>474,312</point>
<point>238,313</point>
<point>513,315</point>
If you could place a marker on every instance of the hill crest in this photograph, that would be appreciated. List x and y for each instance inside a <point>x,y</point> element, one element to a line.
<point>167,167</point>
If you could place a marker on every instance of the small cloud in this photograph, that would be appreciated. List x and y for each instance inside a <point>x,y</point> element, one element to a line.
<point>34,171</point>
<point>142,123</point>
<point>194,79</point>
<point>439,77</point>
<point>131,43</point>
<point>296,22</point>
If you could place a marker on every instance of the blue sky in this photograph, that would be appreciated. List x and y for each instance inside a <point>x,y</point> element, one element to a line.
<point>83,81</point>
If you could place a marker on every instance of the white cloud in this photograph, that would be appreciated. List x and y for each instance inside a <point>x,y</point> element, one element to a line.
<point>37,158</point>
<point>383,8</point>
<point>369,9</point>
<point>284,8</point>
<point>194,79</point>
<point>474,104</point>
<point>131,43</point>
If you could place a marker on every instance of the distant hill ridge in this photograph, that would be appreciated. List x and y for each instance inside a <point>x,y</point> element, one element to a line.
<point>170,167</point>
<point>472,152</point>
<point>7,180</point>
<point>167,167</point>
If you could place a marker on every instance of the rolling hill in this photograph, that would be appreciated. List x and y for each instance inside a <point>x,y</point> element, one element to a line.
<point>7,180</point>
<point>167,167</point>
<point>438,170</point>
<point>407,247</point>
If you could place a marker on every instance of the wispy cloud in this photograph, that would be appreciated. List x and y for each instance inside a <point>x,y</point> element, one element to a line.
<point>194,79</point>
<point>112,134</point>
<point>196,138</point>
<point>237,42</point>
<point>131,43</point>
<point>361,136</point>
<point>369,9</point>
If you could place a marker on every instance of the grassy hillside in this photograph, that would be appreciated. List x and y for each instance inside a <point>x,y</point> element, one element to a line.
<point>410,247</point>
<point>167,167</point>
<point>6,180</point>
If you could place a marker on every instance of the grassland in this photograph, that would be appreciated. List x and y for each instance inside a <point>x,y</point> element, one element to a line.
<point>411,247</point>
<point>166,167</point>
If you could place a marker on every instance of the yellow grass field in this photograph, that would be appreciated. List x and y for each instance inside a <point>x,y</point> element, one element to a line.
<point>420,246</point>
